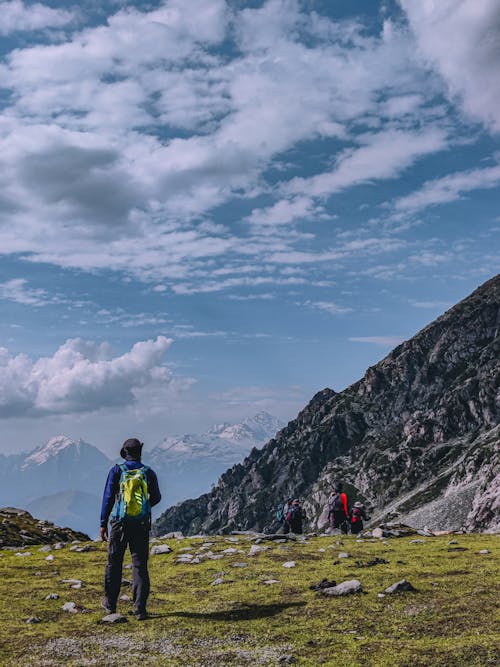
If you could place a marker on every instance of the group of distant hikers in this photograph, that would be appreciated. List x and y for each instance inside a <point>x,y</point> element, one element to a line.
<point>131,491</point>
<point>336,514</point>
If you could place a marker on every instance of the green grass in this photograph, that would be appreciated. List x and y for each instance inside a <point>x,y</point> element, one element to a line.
<point>450,620</point>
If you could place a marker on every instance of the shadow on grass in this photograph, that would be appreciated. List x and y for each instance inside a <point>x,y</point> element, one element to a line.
<point>244,613</point>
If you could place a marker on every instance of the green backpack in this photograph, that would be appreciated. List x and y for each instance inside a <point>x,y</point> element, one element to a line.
<point>133,502</point>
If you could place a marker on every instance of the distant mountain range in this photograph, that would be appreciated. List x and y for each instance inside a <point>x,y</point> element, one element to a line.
<point>62,480</point>
<point>417,438</point>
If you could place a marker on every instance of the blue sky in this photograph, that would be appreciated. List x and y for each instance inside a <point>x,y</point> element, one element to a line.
<point>217,207</point>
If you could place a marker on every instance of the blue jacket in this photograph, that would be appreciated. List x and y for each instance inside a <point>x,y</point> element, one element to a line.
<point>112,488</point>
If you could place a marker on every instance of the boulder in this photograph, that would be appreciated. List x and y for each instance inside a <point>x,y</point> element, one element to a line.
<point>345,588</point>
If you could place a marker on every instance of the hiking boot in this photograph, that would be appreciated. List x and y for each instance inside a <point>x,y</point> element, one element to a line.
<point>141,615</point>
<point>107,607</point>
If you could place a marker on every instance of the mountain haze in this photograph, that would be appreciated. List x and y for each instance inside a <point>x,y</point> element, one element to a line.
<point>416,438</point>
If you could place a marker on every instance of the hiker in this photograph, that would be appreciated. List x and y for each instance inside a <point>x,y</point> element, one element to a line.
<point>338,511</point>
<point>130,492</point>
<point>295,516</point>
<point>280,515</point>
<point>358,515</point>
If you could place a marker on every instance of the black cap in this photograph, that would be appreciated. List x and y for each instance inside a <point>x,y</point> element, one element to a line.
<point>131,447</point>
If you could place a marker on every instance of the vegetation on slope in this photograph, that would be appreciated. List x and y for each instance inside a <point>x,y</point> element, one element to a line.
<point>449,620</point>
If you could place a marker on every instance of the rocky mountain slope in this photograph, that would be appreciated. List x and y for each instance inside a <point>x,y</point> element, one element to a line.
<point>416,438</point>
<point>19,529</point>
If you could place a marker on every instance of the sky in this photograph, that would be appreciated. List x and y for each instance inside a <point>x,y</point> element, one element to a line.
<point>216,207</point>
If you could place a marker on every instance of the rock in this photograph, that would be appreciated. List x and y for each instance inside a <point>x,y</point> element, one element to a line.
<point>269,582</point>
<point>240,564</point>
<point>417,542</point>
<point>71,607</point>
<point>175,535</point>
<point>218,581</point>
<point>286,660</point>
<point>399,587</point>
<point>343,554</point>
<point>47,547</point>
<point>125,598</point>
<point>23,553</point>
<point>49,558</point>
<point>378,533</point>
<point>77,586</point>
<point>289,563</point>
<point>345,588</point>
<point>59,545</point>
<point>158,549</point>
<point>484,551</point>
<point>231,550</point>
<point>72,582</point>
<point>425,533</point>
<point>83,549</point>
<point>114,618</point>
<point>453,542</point>
<point>256,549</point>
<point>52,596</point>
<point>324,583</point>
<point>381,595</point>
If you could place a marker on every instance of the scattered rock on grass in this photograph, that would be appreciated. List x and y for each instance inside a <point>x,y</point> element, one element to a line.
<point>114,618</point>
<point>256,549</point>
<point>484,551</point>
<point>71,607</point>
<point>324,583</point>
<point>158,549</point>
<point>343,554</point>
<point>345,588</point>
<point>290,563</point>
<point>52,596</point>
<point>399,587</point>
<point>33,619</point>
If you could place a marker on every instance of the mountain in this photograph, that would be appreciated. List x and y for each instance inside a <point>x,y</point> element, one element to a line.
<point>59,480</point>
<point>19,529</point>
<point>77,509</point>
<point>63,479</point>
<point>187,465</point>
<point>416,438</point>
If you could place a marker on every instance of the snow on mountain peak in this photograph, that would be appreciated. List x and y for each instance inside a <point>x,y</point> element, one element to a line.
<point>51,448</point>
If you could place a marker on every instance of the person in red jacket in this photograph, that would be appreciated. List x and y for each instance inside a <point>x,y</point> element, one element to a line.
<point>338,509</point>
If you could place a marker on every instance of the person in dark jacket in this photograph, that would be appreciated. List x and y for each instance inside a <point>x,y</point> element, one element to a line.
<point>338,513</point>
<point>135,534</point>
<point>295,516</point>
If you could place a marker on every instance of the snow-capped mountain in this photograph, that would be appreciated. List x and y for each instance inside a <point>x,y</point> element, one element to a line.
<point>187,465</point>
<point>223,442</point>
<point>66,477</point>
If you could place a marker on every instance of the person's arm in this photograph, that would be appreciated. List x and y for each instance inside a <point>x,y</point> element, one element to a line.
<point>108,499</point>
<point>154,489</point>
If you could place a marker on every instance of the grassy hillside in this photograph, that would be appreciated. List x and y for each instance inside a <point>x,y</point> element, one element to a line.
<point>449,620</point>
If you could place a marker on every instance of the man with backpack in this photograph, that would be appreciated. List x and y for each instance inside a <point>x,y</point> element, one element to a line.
<point>338,511</point>
<point>130,492</point>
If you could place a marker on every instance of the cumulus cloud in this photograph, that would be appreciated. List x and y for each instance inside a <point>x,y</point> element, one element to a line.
<point>461,38</point>
<point>16,16</point>
<point>80,377</point>
<point>119,141</point>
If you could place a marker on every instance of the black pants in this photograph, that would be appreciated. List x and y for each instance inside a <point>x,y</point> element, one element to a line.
<point>338,519</point>
<point>136,537</point>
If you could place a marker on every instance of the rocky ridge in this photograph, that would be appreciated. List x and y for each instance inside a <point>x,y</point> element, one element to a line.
<point>19,529</point>
<point>416,438</point>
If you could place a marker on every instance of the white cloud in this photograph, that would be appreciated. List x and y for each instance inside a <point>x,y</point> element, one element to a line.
<point>441,305</point>
<point>16,16</point>
<point>329,307</point>
<point>80,377</point>
<point>117,142</point>
<point>17,290</point>
<point>382,155</point>
<point>461,38</point>
<point>384,341</point>
<point>449,188</point>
